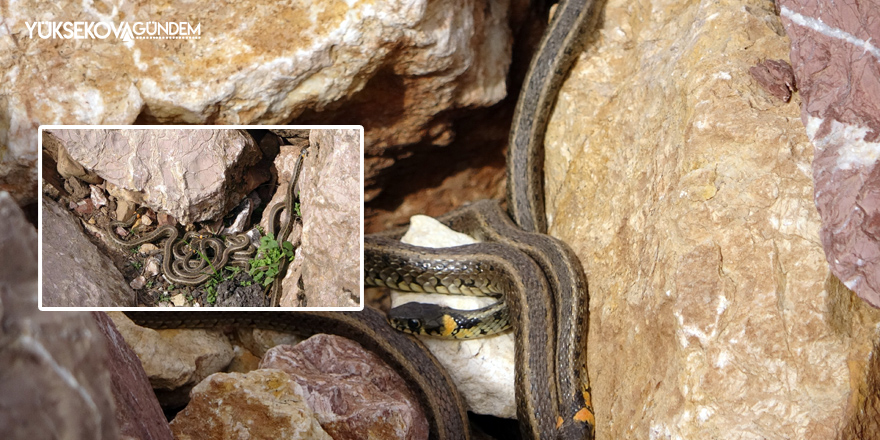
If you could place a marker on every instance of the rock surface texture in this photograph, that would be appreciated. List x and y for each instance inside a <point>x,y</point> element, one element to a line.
<point>75,272</point>
<point>685,189</point>
<point>253,63</point>
<point>353,393</point>
<point>175,360</point>
<point>836,62</point>
<point>137,411</point>
<point>53,379</point>
<point>260,404</point>
<point>332,212</point>
<point>191,174</point>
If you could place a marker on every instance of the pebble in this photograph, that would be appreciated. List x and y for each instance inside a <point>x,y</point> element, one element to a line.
<point>138,283</point>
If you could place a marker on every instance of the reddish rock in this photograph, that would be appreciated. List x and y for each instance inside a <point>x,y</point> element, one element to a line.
<point>835,58</point>
<point>353,393</point>
<point>137,410</point>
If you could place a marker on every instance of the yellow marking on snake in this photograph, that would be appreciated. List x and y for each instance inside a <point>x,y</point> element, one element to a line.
<point>449,326</point>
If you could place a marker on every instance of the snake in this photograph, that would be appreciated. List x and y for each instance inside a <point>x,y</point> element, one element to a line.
<point>551,375</point>
<point>553,400</point>
<point>287,205</point>
<point>182,264</point>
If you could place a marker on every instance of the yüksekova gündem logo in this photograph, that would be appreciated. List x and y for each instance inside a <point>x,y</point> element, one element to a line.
<point>139,30</point>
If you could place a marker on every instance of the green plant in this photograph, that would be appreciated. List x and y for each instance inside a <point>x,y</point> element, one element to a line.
<point>137,265</point>
<point>266,265</point>
<point>296,208</point>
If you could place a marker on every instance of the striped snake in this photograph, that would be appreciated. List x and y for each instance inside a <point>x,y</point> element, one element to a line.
<point>540,278</point>
<point>187,262</point>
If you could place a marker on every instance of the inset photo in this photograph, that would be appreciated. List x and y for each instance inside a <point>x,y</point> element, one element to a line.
<point>192,217</point>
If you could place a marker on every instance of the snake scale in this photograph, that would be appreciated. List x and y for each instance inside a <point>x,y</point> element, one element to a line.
<point>543,283</point>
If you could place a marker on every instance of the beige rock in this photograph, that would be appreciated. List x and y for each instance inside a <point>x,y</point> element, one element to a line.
<point>192,174</point>
<point>260,404</point>
<point>255,63</point>
<point>175,360</point>
<point>686,192</point>
<point>178,300</point>
<point>331,209</point>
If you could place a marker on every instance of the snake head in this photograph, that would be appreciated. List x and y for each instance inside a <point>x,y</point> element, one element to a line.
<point>420,319</point>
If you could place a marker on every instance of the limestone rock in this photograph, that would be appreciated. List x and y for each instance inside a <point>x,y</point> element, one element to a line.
<point>175,360</point>
<point>75,272</point>
<point>685,189</point>
<point>331,209</point>
<point>835,59</point>
<point>260,404</point>
<point>193,175</point>
<point>483,369</point>
<point>53,378</point>
<point>353,393</point>
<point>137,411</point>
<point>254,63</point>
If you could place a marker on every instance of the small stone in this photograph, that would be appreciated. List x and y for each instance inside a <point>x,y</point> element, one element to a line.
<point>138,283</point>
<point>148,248</point>
<point>98,197</point>
<point>84,207</point>
<point>178,300</point>
<point>124,209</point>
<point>146,220</point>
<point>151,265</point>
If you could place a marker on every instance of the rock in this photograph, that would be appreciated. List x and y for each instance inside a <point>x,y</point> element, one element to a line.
<point>835,56</point>
<point>331,209</point>
<point>137,411</point>
<point>139,282</point>
<point>124,210</point>
<point>270,64</point>
<point>84,207</point>
<point>192,174</point>
<point>483,369</point>
<point>175,360</point>
<point>151,264</point>
<point>75,272</point>
<point>178,300</point>
<point>53,377</point>
<point>98,197</point>
<point>148,248</point>
<point>685,190</point>
<point>260,404</point>
<point>353,393</point>
<point>259,341</point>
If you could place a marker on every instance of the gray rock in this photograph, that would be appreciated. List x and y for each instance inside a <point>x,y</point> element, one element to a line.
<point>193,175</point>
<point>75,272</point>
<point>53,380</point>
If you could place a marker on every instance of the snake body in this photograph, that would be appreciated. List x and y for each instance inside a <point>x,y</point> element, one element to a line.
<point>553,398</point>
<point>570,402</point>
